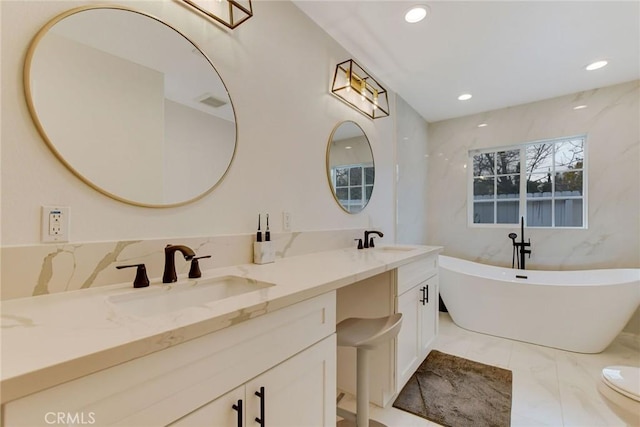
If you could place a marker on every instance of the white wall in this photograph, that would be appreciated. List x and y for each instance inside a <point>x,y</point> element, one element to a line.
<point>412,140</point>
<point>357,154</point>
<point>127,117</point>
<point>277,67</point>
<point>198,148</point>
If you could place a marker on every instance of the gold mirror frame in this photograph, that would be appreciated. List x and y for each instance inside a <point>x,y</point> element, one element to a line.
<point>360,156</point>
<point>28,89</point>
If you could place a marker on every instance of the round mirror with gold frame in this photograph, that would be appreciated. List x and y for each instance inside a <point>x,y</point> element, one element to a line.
<point>130,105</point>
<point>350,167</point>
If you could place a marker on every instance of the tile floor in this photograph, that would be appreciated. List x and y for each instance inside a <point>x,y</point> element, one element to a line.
<point>550,387</point>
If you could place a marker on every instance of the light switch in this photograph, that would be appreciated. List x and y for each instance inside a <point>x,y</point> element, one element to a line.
<point>286,221</point>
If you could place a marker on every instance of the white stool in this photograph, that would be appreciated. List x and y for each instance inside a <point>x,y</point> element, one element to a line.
<point>364,335</point>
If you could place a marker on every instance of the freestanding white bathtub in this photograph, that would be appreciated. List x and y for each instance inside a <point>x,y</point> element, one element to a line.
<point>581,311</point>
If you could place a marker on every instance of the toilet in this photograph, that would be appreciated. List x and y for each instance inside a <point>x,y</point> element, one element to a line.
<point>620,386</point>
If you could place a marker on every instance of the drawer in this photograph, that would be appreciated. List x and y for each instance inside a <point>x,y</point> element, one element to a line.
<point>409,275</point>
<point>161,387</point>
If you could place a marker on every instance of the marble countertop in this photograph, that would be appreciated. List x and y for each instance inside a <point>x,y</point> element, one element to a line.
<point>50,339</point>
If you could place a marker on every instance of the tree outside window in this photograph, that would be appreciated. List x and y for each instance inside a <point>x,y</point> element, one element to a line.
<point>354,185</point>
<point>552,192</point>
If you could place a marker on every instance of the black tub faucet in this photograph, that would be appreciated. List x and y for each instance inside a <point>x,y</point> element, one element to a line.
<point>169,275</point>
<point>368,241</point>
<point>520,247</point>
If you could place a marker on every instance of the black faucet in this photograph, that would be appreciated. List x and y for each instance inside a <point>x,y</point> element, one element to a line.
<point>368,242</point>
<point>169,275</point>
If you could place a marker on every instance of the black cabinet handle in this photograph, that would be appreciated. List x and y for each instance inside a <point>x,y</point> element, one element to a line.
<point>425,295</point>
<point>260,394</point>
<point>238,407</point>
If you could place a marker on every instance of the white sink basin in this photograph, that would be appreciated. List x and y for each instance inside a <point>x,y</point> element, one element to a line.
<point>161,299</point>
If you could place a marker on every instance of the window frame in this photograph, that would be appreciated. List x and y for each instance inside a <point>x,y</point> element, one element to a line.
<point>363,185</point>
<point>522,199</point>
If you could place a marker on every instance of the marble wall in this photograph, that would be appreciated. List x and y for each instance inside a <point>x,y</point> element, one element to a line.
<point>612,239</point>
<point>613,189</point>
<point>43,269</point>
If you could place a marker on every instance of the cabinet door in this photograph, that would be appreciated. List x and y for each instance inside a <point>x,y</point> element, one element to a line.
<point>408,342</point>
<point>419,327</point>
<point>218,413</point>
<point>428,329</point>
<point>298,392</point>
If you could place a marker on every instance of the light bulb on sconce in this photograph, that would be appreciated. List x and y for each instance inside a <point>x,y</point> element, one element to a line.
<point>351,82</point>
<point>348,77</point>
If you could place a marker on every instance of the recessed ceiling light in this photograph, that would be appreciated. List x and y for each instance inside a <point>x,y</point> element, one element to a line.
<point>464,96</point>
<point>348,147</point>
<point>415,14</point>
<point>482,125</point>
<point>579,107</point>
<point>595,65</point>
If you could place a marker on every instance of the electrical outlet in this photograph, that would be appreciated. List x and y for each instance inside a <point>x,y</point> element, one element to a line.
<point>55,224</point>
<point>286,221</point>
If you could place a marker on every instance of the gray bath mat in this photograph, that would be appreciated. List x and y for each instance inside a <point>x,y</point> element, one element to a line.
<point>457,392</point>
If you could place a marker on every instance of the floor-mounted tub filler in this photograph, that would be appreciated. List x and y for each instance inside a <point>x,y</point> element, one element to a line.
<point>581,311</point>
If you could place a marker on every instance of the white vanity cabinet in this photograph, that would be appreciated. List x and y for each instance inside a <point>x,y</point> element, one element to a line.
<point>290,352</point>
<point>126,370</point>
<point>417,300</point>
<point>297,392</point>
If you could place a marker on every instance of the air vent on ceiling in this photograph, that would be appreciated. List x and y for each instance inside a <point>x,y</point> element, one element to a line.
<point>212,101</point>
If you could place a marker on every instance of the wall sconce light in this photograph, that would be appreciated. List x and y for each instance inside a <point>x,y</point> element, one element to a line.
<point>353,85</point>
<point>230,13</point>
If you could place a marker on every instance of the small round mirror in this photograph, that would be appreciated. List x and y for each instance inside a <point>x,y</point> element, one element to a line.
<point>350,167</point>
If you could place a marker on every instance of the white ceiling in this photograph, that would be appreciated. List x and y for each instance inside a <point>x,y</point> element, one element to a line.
<point>505,53</point>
